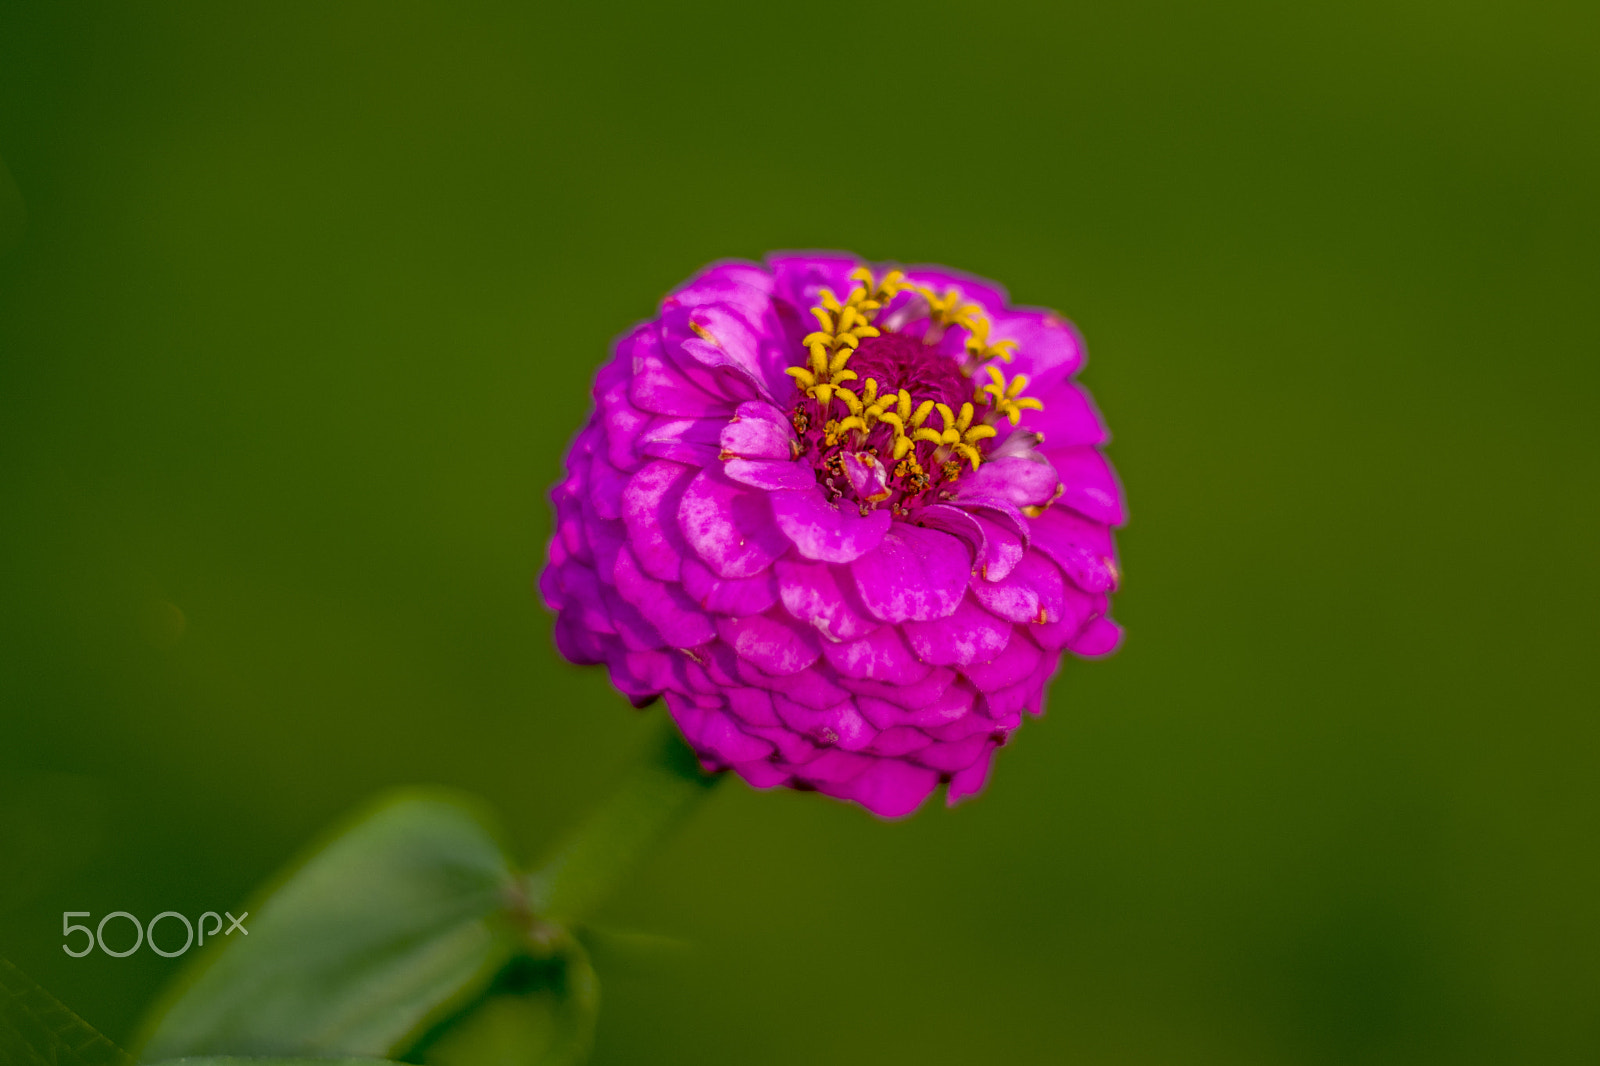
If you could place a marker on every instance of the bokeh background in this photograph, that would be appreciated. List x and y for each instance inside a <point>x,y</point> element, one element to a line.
<point>299,304</point>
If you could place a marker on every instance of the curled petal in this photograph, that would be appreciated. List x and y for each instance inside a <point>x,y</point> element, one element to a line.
<point>683,440</point>
<point>867,476</point>
<point>1021,482</point>
<point>661,385</point>
<point>1032,592</point>
<point>997,546</point>
<point>771,474</point>
<point>757,431</point>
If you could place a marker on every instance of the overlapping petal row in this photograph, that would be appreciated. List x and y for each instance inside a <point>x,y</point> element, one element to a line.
<point>808,638</point>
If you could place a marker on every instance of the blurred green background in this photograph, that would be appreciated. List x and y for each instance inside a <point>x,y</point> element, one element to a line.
<point>298,307</point>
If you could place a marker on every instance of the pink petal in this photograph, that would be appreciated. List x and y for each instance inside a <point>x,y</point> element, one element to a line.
<point>833,768</point>
<point>772,645</point>
<point>889,788</point>
<point>950,756</point>
<point>881,655</point>
<point>838,725</point>
<point>812,686</point>
<point>682,440</point>
<point>824,596</point>
<point>1079,609</point>
<point>729,526</point>
<point>1069,418</point>
<point>867,476</point>
<point>621,421</point>
<point>758,431</point>
<point>718,734</point>
<point>666,606</point>
<point>970,782</point>
<point>1020,659</point>
<point>729,595</point>
<point>772,475</point>
<point>1032,592</point>
<point>752,706</point>
<point>664,387</point>
<point>1091,486</point>
<point>997,547</point>
<point>914,574</point>
<point>1083,549</point>
<point>899,740</point>
<point>990,294</point>
<point>606,483</point>
<point>1099,638</point>
<point>1049,349</point>
<point>969,635</point>
<point>922,692</point>
<point>738,282</point>
<point>824,532</point>
<point>799,278</point>
<point>760,773</point>
<point>650,508</point>
<point>1019,482</point>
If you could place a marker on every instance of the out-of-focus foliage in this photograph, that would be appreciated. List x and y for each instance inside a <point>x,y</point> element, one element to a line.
<point>407,933</point>
<point>369,943</point>
<point>37,1030</point>
<point>306,305</point>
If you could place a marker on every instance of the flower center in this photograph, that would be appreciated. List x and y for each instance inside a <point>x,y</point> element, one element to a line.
<point>869,396</point>
<point>899,361</point>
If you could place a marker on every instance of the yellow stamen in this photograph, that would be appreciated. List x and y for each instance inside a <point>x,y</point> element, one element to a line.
<point>843,324</point>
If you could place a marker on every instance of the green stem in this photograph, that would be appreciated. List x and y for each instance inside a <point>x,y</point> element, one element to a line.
<point>595,858</point>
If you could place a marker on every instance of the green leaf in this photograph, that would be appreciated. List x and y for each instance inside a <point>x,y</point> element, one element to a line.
<point>36,1030</point>
<point>409,935</point>
<point>399,922</point>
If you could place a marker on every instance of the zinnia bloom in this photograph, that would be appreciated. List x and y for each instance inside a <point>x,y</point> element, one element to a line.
<point>844,521</point>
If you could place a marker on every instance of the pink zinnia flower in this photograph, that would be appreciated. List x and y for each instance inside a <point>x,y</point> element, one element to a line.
<point>845,522</point>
